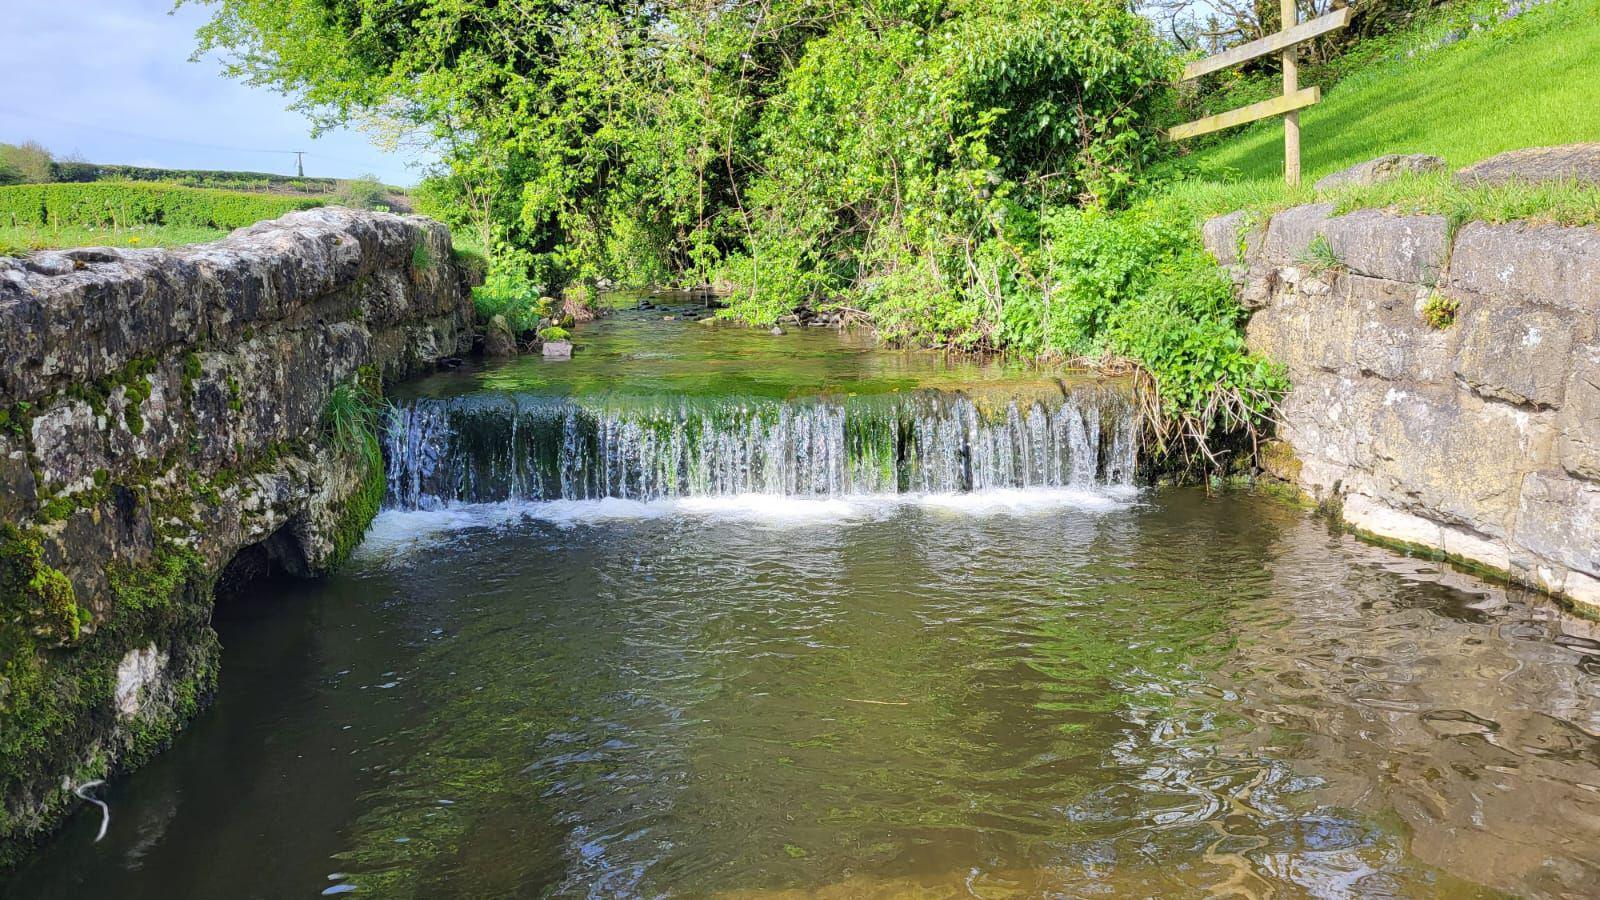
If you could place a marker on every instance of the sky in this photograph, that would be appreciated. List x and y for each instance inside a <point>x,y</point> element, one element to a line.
<point>111,81</point>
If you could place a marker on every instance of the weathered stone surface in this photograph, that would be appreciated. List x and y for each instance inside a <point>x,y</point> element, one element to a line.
<point>1233,239</point>
<point>1515,352</point>
<point>1534,263</point>
<point>557,350</point>
<point>1534,165</point>
<point>1480,439</point>
<point>1290,233</point>
<point>1398,248</point>
<point>164,413</point>
<point>1384,168</point>
<point>1559,519</point>
<point>1578,443</point>
<point>498,341</point>
<point>1364,326</point>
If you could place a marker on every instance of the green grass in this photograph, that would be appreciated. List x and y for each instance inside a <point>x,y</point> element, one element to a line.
<point>1533,80</point>
<point>19,239</point>
<point>1438,193</point>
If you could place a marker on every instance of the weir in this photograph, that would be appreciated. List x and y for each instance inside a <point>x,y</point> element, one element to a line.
<point>490,447</point>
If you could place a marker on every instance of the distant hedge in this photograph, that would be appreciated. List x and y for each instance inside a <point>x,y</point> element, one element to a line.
<point>83,172</point>
<point>104,203</point>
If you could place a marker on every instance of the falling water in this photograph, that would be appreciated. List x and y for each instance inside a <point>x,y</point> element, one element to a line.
<point>495,447</point>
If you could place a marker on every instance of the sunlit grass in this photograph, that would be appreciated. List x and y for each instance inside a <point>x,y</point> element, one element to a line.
<point>1531,81</point>
<point>19,239</point>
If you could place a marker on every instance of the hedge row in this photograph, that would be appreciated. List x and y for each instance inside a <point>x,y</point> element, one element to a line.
<point>123,203</point>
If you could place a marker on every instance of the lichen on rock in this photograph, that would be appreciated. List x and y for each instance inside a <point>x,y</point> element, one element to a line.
<point>160,413</point>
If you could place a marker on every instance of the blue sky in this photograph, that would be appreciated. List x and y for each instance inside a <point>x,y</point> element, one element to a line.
<point>111,80</point>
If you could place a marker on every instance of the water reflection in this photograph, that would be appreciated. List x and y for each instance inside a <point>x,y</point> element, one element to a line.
<point>1181,696</point>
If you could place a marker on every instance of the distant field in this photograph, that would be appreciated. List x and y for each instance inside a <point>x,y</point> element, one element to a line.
<point>1531,81</point>
<point>18,239</point>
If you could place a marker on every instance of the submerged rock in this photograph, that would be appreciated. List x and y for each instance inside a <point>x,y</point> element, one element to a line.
<point>557,350</point>
<point>777,330</point>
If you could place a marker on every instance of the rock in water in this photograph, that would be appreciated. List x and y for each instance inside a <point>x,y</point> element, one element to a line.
<point>777,329</point>
<point>1384,168</point>
<point>557,349</point>
<point>498,339</point>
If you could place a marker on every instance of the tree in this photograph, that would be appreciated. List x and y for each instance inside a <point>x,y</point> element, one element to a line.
<point>28,163</point>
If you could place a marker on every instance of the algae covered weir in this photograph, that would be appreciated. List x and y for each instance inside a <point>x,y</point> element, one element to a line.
<point>712,612</point>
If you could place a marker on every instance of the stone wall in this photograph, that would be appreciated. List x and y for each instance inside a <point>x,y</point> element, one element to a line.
<point>1478,437</point>
<point>169,416</point>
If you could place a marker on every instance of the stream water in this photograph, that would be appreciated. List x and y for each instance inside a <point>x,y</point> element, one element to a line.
<point>713,613</point>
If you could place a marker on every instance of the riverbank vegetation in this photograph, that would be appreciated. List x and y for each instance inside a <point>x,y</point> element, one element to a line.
<point>954,173</point>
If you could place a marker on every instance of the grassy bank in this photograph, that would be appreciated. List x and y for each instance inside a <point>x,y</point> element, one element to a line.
<point>1464,84</point>
<point>19,239</point>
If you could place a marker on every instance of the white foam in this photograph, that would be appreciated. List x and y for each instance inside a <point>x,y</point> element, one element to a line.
<point>1024,501</point>
<point>395,533</point>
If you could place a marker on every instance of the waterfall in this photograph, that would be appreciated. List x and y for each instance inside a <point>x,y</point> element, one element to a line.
<point>495,447</point>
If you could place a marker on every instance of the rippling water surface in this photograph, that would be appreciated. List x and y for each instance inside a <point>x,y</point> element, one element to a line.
<point>1058,686</point>
<point>1007,696</point>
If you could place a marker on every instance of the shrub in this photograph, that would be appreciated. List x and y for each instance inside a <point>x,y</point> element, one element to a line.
<point>27,163</point>
<point>1140,285</point>
<point>508,291</point>
<point>363,192</point>
<point>119,204</point>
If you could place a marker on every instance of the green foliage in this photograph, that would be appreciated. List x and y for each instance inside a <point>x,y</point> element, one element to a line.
<point>554,333</point>
<point>1140,285</point>
<point>421,257</point>
<point>200,178</point>
<point>33,595</point>
<point>352,419</point>
<point>124,204</point>
<point>363,192</point>
<point>1440,311</point>
<point>1319,256</point>
<point>508,291</point>
<point>22,239</point>
<point>25,163</point>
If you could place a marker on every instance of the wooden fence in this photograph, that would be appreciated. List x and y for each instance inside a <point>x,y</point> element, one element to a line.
<point>1294,97</point>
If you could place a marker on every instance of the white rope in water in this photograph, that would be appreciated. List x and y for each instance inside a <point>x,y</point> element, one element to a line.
<point>105,811</point>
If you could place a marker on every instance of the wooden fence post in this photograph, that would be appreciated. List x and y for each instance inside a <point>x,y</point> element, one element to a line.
<point>1291,84</point>
<point>1294,97</point>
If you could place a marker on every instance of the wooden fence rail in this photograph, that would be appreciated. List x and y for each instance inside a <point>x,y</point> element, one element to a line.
<point>1294,98</point>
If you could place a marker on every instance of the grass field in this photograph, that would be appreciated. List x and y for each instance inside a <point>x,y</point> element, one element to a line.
<point>19,239</point>
<point>1533,80</point>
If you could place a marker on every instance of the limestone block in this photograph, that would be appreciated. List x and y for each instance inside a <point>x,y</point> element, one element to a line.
<point>69,445</point>
<point>1559,519</point>
<point>1291,232</point>
<point>1227,235</point>
<point>1400,248</point>
<point>1458,458</point>
<point>1384,168</point>
<point>1578,445</point>
<point>1515,352</point>
<point>1539,263</point>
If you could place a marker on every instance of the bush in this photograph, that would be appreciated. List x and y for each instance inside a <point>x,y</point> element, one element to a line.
<point>25,163</point>
<point>1140,285</point>
<point>508,291</point>
<point>364,192</point>
<point>121,204</point>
